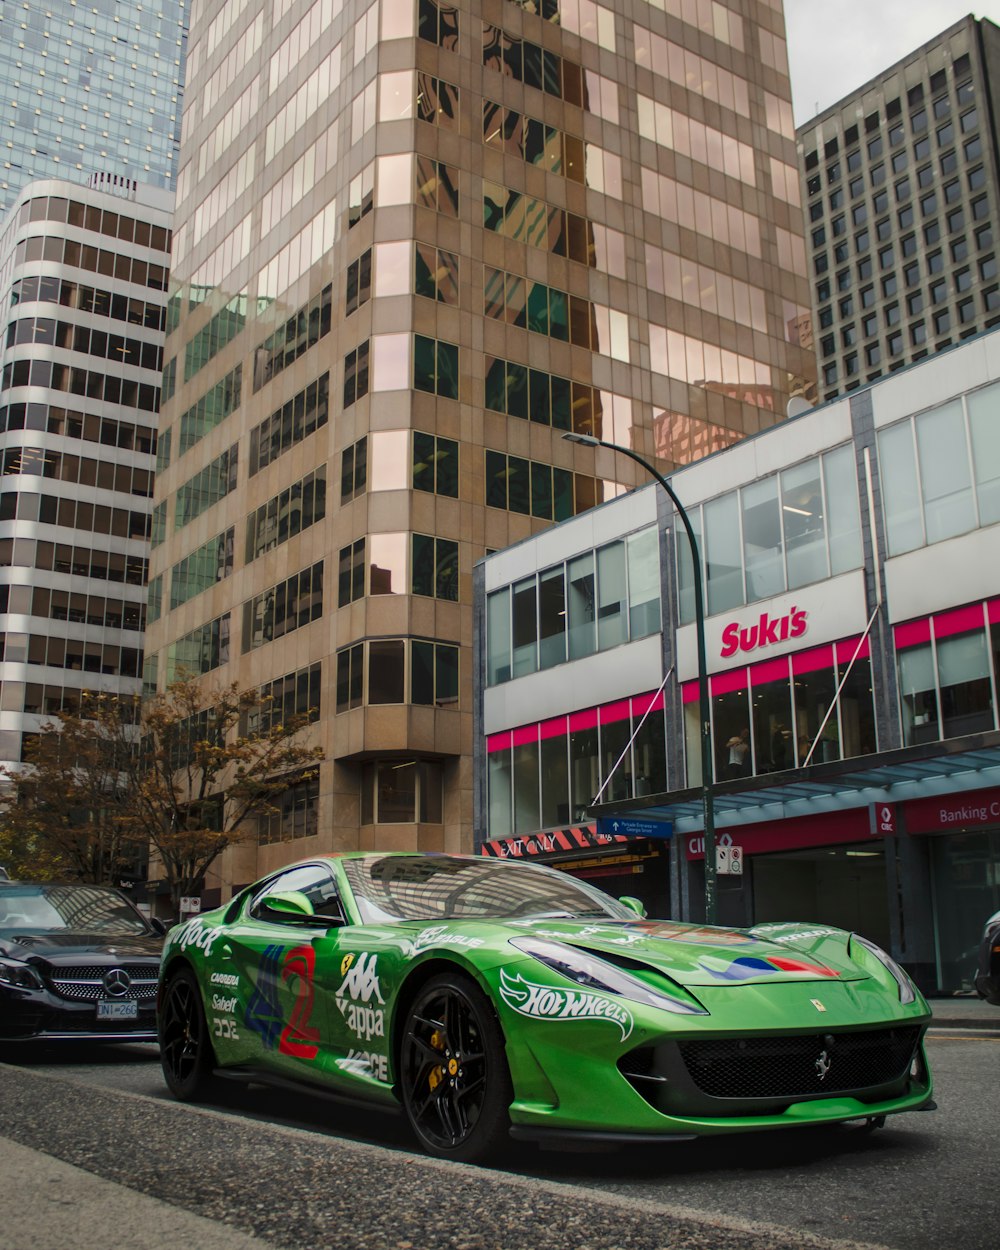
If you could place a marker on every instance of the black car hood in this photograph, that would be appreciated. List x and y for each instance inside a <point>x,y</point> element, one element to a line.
<point>70,948</point>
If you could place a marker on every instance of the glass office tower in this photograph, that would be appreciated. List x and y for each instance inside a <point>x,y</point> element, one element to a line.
<point>902,193</point>
<point>83,284</point>
<point>415,244</point>
<point>88,88</point>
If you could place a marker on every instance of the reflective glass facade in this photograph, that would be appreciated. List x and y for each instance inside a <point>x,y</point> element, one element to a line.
<point>463,228</point>
<point>91,89</point>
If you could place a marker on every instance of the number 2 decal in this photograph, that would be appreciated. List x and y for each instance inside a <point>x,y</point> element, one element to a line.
<point>299,1037</point>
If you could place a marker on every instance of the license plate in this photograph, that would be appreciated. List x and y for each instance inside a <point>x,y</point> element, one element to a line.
<point>109,1010</point>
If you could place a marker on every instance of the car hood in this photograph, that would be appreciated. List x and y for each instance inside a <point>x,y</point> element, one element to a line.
<point>70,948</point>
<point>701,955</point>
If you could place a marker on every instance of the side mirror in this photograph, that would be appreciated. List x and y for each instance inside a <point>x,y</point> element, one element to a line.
<point>633,904</point>
<point>290,906</point>
<point>157,925</point>
<point>294,908</point>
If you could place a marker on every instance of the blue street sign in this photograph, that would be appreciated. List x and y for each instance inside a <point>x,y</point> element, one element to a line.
<point>635,826</point>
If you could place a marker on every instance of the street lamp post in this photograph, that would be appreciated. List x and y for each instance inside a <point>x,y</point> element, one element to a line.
<point>707,771</point>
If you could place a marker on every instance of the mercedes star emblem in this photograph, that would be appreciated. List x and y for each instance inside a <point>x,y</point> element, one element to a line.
<point>117,982</point>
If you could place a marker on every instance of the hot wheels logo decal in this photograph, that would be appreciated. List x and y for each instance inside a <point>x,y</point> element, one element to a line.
<point>546,1002</point>
<point>746,966</point>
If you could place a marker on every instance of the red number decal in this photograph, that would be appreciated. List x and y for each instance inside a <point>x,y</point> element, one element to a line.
<point>299,1037</point>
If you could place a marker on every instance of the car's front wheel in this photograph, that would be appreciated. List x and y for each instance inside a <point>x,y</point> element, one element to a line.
<point>186,1053</point>
<point>455,1081</point>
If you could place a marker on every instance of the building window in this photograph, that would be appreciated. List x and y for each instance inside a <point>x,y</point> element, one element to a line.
<point>945,686</point>
<point>434,567</point>
<point>356,374</point>
<point>402,792</point>
<point>361,195</point>
<point>296,508</point>
<point>435,464</point>
<point>294,813</point>
<point>351,582</point>
<point>359,282</point>
<point>350,677</point>
<point>435,366</point>
<point>436,186</point>
<point>436,273</point>
<point>433,673</point>
<point>294,421</point>
<point>354,470</point>
<point>286,607</point>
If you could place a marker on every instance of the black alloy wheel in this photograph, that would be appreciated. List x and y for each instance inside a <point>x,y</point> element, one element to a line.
<point>186,1053</point>
<point>455,1080</point>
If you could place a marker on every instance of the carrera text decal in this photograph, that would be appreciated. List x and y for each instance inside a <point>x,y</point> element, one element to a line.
<point>546,1002</point>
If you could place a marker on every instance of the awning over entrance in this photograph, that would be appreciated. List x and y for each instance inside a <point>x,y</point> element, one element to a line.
<point>919,772</point>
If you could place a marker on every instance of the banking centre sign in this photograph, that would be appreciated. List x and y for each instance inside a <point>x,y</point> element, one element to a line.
<point>774,627</point>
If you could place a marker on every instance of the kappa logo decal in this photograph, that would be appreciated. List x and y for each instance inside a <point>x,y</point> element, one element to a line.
<point>546,1002</point>
<point>360,982</point>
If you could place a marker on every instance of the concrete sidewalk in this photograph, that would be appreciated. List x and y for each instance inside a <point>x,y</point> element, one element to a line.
<point>72,1207</point>
<point>964,1011</point>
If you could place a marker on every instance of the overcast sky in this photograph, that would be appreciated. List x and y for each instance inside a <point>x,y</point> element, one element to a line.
<point>836,45</point>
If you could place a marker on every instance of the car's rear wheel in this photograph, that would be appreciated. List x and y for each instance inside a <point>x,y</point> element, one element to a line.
<point>186,1053</point>
<point>455,1081</point>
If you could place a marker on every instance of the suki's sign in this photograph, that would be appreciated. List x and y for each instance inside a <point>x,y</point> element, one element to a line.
<point>766,631</point>
<point>814,616</point>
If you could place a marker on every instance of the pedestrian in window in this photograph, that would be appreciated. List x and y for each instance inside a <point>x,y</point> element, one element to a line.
<point>739,752</point>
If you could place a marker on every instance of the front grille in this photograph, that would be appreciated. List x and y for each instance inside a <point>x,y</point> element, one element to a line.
<point>86,984</point>
<point>800,1067</point>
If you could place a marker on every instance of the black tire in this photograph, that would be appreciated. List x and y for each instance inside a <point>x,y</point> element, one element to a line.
<point>186,1052</point>
<point>455,1081</point>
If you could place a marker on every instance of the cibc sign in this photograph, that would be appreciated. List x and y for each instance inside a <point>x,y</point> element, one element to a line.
<point>811,617</point>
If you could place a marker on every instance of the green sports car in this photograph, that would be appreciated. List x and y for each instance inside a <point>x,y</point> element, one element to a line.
<point>494,998</point>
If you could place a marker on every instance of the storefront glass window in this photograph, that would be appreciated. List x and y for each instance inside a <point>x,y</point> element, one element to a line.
<point>985,431</point>
<point>731,734</point>
<point>431,781</point>
<point>944,472</point>
<point>650,753</point>
<point>551,618</point>
<point>964,677</point>
<point>614,739</point>
<point>802,517</point>
<point>526,810</point>
<point>814,693</point>
<point>525,628</point>
<point>612,624</point>
<point>762,540</point>
<point>857,711</point>
<point>585,777</point>
<point>918,695</point>
<point>555,781</point>
<point>772,719</point>
<point>723,559</point>
<point>644,583</point>
<point>580,606</point>
<point>900,494</point>
<point>498,637</point>
<point>843,517</point>
<point>500,800</point>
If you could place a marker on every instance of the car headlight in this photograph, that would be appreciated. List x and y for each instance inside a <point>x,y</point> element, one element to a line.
<point>595,974</point>
<point>23,976</point>
<point>907,993</point>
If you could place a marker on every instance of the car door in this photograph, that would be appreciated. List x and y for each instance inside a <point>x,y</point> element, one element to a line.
<point>283,1023</point>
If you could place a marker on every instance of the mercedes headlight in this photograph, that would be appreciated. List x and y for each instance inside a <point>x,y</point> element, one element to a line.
<point>907,993</point>
<point>23,976</point>
<point>592,973</point>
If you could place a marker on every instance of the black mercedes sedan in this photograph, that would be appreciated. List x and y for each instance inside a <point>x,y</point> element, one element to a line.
<point>77,963</point>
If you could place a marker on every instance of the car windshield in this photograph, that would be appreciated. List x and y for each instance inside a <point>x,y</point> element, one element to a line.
<point>440,887</point>
<point>69,908</point>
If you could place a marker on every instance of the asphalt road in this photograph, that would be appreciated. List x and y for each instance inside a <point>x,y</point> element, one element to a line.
<point>293,1172</point>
